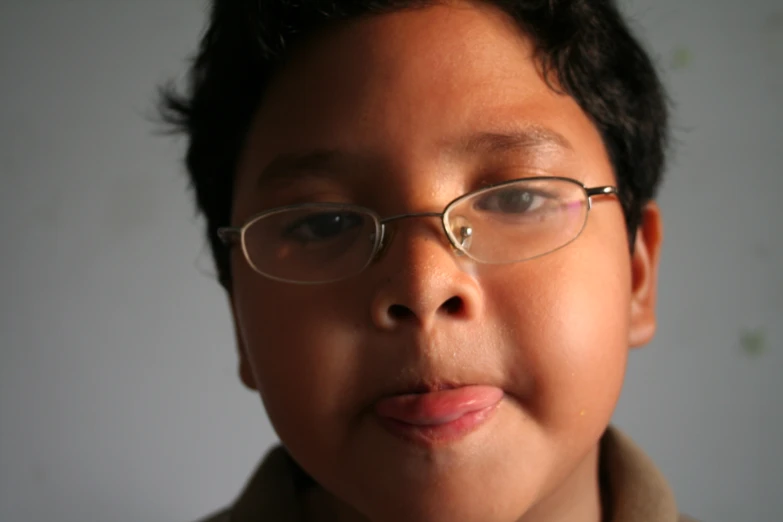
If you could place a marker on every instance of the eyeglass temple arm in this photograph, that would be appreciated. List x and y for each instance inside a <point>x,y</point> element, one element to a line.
<point>229,235</point>
<point>602,191</point>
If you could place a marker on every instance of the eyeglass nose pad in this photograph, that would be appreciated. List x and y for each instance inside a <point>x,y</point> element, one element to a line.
<point>380,240</point>
<point>463,233</point>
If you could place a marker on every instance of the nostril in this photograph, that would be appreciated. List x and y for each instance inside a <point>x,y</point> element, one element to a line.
<point>400,312</point>
<point>453,306</point>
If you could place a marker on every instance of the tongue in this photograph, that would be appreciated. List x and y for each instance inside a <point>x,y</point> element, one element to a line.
<point>439,407</point>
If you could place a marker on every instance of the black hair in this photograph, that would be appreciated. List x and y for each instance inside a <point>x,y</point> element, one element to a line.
<point>585,45</point>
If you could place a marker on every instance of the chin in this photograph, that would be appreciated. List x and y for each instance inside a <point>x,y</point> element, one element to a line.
<point>445,491</point>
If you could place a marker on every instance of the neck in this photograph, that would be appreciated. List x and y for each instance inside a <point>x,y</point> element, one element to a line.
<point>320,506</point>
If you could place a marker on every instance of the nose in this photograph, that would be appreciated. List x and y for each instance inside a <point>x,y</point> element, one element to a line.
<point>422,280</point>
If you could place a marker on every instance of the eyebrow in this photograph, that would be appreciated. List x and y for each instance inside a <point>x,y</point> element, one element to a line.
<point>526,138</point>
<point>293,166</point>
<point>288,167</point>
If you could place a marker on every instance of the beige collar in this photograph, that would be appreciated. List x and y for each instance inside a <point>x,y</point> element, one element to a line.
<point>636,490</point>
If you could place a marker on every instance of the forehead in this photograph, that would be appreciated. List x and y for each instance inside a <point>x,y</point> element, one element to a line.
<point>405,85</point>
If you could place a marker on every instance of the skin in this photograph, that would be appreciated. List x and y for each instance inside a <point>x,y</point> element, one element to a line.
<point>394,93</point>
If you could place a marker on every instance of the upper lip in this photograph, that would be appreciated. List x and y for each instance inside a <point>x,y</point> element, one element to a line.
<point>426,370</point>
<point>425,386</point>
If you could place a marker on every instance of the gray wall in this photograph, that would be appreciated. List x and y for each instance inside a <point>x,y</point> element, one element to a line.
<point>118,395</point>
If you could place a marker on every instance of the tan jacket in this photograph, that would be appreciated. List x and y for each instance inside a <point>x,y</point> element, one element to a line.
<point>637,490</point>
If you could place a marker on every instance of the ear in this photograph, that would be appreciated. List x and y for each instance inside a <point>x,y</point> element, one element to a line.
<point>245,369</point>
<point>644,274</point>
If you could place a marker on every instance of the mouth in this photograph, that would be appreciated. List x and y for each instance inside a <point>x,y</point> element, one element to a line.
<point>438,415</point>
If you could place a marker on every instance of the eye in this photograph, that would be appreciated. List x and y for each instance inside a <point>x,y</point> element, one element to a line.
<point>323,226</point>
<point>513,200</point>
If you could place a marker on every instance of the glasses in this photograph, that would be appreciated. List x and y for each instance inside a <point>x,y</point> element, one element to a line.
<point>513,221</point>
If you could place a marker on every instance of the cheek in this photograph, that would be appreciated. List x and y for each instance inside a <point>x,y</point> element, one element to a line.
<point>301,350</point>
<point>568,332</point>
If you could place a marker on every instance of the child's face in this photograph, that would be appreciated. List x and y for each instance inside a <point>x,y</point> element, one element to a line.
<point>394,94</point>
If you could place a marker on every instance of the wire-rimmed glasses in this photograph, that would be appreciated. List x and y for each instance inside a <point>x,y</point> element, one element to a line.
<point>513,221</point>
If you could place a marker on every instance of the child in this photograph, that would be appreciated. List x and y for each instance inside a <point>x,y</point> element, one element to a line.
<point>435,225</point>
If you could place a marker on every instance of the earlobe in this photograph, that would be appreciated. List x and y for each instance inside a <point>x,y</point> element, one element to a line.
<point>644,272</point>
<point>245,369</point>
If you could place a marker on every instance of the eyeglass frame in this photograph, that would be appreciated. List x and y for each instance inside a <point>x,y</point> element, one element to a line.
<point>231,236</point>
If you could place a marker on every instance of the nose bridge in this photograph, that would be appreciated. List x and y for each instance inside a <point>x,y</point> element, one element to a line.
<point>398,217</point>
<point>423,279</point>
<point>391,232</point>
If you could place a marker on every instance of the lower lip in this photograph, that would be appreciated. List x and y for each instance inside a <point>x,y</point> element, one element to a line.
<point>439,418</point>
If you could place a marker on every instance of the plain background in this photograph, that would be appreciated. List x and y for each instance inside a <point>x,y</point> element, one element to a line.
<point>118,391</point>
